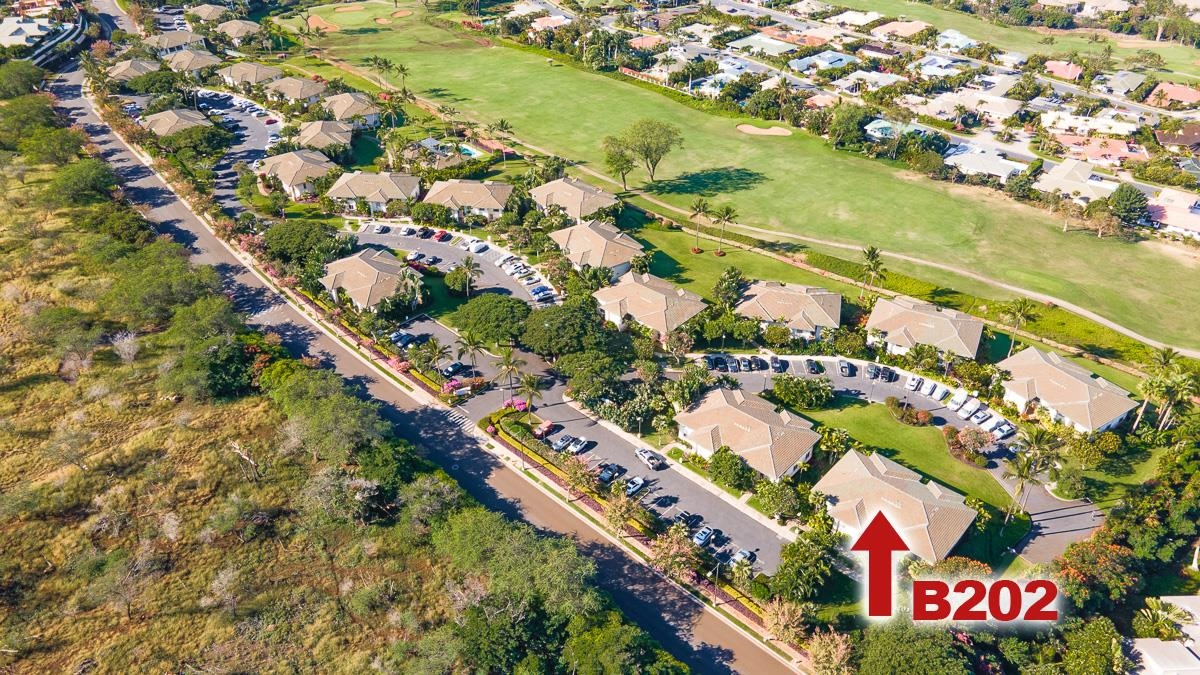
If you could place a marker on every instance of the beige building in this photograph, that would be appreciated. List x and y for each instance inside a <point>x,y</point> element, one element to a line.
<point>248,74</point>
<point>296,90</point>
<point>902,323</point>
<point>296,170</point>
<point>170,42</point>
<point>192,61</point>
<point>367,277</point>
<point>323,134</point>
<point>1075,180</point>
<point>351,106</point>
<point>576,198</point>
<point>1172,657</point>
<point>208,13</point>
<point>239,30</point>
<point>470,197</point>
<point>597,244</point>
<point>124,71</point>
<point>174,121</point>
<point>1066,391</point>
<point>655,303</point>
<point>377,189</point>
<point>774,443</point>
<point>805,310</point>
<point>930,518</point>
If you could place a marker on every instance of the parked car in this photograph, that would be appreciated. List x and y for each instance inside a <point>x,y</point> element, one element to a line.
<point>970,408</point>
<point>544,429</point>
<point>741,555</point>
<point>722,365</point>
<point>531,280</point>
<point>424,233</point>
<point>633,485</point>
<point>981,416</point>
<point>466,243</point>
<point>1003,431</point>
<point>887,374</point>
<point>651,460</point>
<point>437,236</point>
<point>758,363</point>
<point>408,231</point>
<point>608,472</point>
<point>396,337</point>
<point>993,424</point>
<point>452,369</point>
<point>505,260</point>
<point>562,442</point>
<point>414,256</point>
<point>432,260</point>
<point>406,340</point>
<point>379,228</point>
<point>939,392</point>
<point>873,371</point>
<point>685,518</point>
<point>844,368</point>
<point>929,387</point>
<point>271,120</point>
<point>960,398</point>
<point>539,289</point>
<point>914,382</point>
<point>478,247</point>
<point>702,536</point>
<point>778,365</point>
<point>813,367</point>
<point>443,237</point>
<point>745,364</point>
<point>578,445</point>
<point>733,365</point>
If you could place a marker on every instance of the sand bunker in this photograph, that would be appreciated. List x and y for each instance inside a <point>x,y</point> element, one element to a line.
<point>319,23</point>
<point>348,8</point>
<point>400,14</point>
<point>759,131</point>
<point>382,21</point>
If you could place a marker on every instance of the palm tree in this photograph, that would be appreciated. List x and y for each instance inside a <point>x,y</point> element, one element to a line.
<point>873,270</point>
<point>1178,391</point>
<point>529,387</point>
<point>1150,389</point>
<point>502,130</point>
<point>1162,359</point>
<point>469,345</point>
<point>740,572</point>
<point>437,351</point>
<point>401,71</point>
<point>725,215</point>
<point>472,270</point>
<point>1162,619</point>
<point>1018,312</point>
<point>382,66</point>
<point>700,209</point>
<point>1039,442</point>
<point>1024,469</point>
<point>509,365</point>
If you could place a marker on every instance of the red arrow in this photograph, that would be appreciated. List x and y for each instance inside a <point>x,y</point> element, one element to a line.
<point>879,540</point>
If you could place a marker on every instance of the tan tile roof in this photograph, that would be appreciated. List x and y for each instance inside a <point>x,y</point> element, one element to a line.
<point>249,73</point>
<point>123,71</point>
<point>803,308</point>
<point>929,517</point>
<point>1072,176</point>
<point>908,322</point>
<point>375,187</point>
<point>296,88</point>
<point>652,302</point>
<point>596,244</point>
<point>368,276</point>
<point>321,135</point>
<point>577,199</point>
<point>1086,399</point>
<point>173,38</point>
<point>771,442</point>
<point>297,167</point>
<point>239,28</point>
<point>345,106</point>
<point>173,121</point>
<point>187,60</point>
<point>461,193</point>
<point>208,12</point>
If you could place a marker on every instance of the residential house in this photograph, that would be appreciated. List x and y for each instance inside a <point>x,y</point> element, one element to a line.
<point>874,50</point>
<point>974,160</point>
<point>239,30</point>
<point>806,7</point>
<point>433,154</point>
<point>296,170</point>
<point>995,84</point>
<point>901,323</point>
<point>174,121</point>
<point>1075,180</point>
<point>577,199</point>
<point>598,244</point>
<point>1095,9</point>
<point>775,443</point>
<point>936,66</point>
<point>296,90</point>
<point>899,29</point>
<point>822,61</point>
<point>1065,391</point>
<point>1187,139</point>
<point>124,71</point>
<point>34,8</point>
<point>1063,70</point>
<point>208,13</point>
<point>525,8</point>
<point>1068,6</point>
<point>324,134</point>
<point>854,19</point>
<point>655,303</point>
<point>248,74</point>
<point>192,61</point>
<point>861,80</point>
<point>368,277</point>
<point>819,35</point>
<point>1172,657</point>
<point>24,31</point>
<point>822,100</point>
<point>1177,212</point>
<point>545,23</point>
<point>930,518</point>
<point>954,41</point>
<point>1013,60</point>
<point>805,310</point>
<point>1111,152</point>
<point>354,107</point>
<point>880,130</point>
<point>375,189</point>
<point>1122,82</point>
<point>759,43</point>
<point>646,42</point>
<point>703,32</point>
<point>470,197</point>
<point>987,108</point>
<point>1060,121</point>
<point>1168,93</point>
<point>173,41</point>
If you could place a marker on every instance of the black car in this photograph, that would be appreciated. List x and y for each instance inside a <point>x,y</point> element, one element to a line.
<point>424,233</point>
<point>722,366</point>
<point>433,260</point>
<point>609,473</point>
<point>845,369</point>
<point>813,367</point>
<point>758,363</point>
<point>887,374</point>
<point>778,365</point>
<point>873,371</point>
<point>452,369</point>
<point>685,518</point>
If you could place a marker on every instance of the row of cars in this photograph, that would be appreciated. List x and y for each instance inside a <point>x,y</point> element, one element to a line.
<point>518,269</point>
<point>964,405</point>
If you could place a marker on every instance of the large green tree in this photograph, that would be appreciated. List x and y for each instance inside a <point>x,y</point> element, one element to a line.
<point>1128,204</point>
<point>492,317</point>
<point>900,647</point>
<point>18,77</point>
<point>650,140</point>
<point>562,329</point>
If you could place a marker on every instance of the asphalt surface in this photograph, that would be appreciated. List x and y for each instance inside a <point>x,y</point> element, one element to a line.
<point>697,637</point>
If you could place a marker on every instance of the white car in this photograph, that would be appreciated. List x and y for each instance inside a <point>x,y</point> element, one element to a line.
<point>633,485</point>
<point>939,392</point>
<point>466,243</point>
<point>914,382</point>
<point>991,425</point>
<point>478,247</point>
<point>501,262</point>
<point>970,408</point>
<point>415,255</point>
<point>957,402</point>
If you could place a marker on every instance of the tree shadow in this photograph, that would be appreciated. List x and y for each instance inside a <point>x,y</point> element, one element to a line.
<point>709,182</point>
<point>443,94</point>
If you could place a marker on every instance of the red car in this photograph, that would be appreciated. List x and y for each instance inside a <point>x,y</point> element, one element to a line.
<point>445,236</point>
<point>270,121</point>
<point>437,236</point>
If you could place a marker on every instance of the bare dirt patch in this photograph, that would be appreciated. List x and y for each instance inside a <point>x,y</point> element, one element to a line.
<point>401,13</point>
<point>320,23</point>
<point>348,8</point>
<point>382,21</point>
<point>1187,256</point>
<point>751,130</point>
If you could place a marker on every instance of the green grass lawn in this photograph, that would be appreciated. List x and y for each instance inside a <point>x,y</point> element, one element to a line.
<point>837,601</point>
<point>1178,58</point>
<point>787,184</point>
<point>1109,481</point>
<point>363,151</point>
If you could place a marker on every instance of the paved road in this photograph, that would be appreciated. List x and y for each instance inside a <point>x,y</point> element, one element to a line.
<point>695,636</point>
